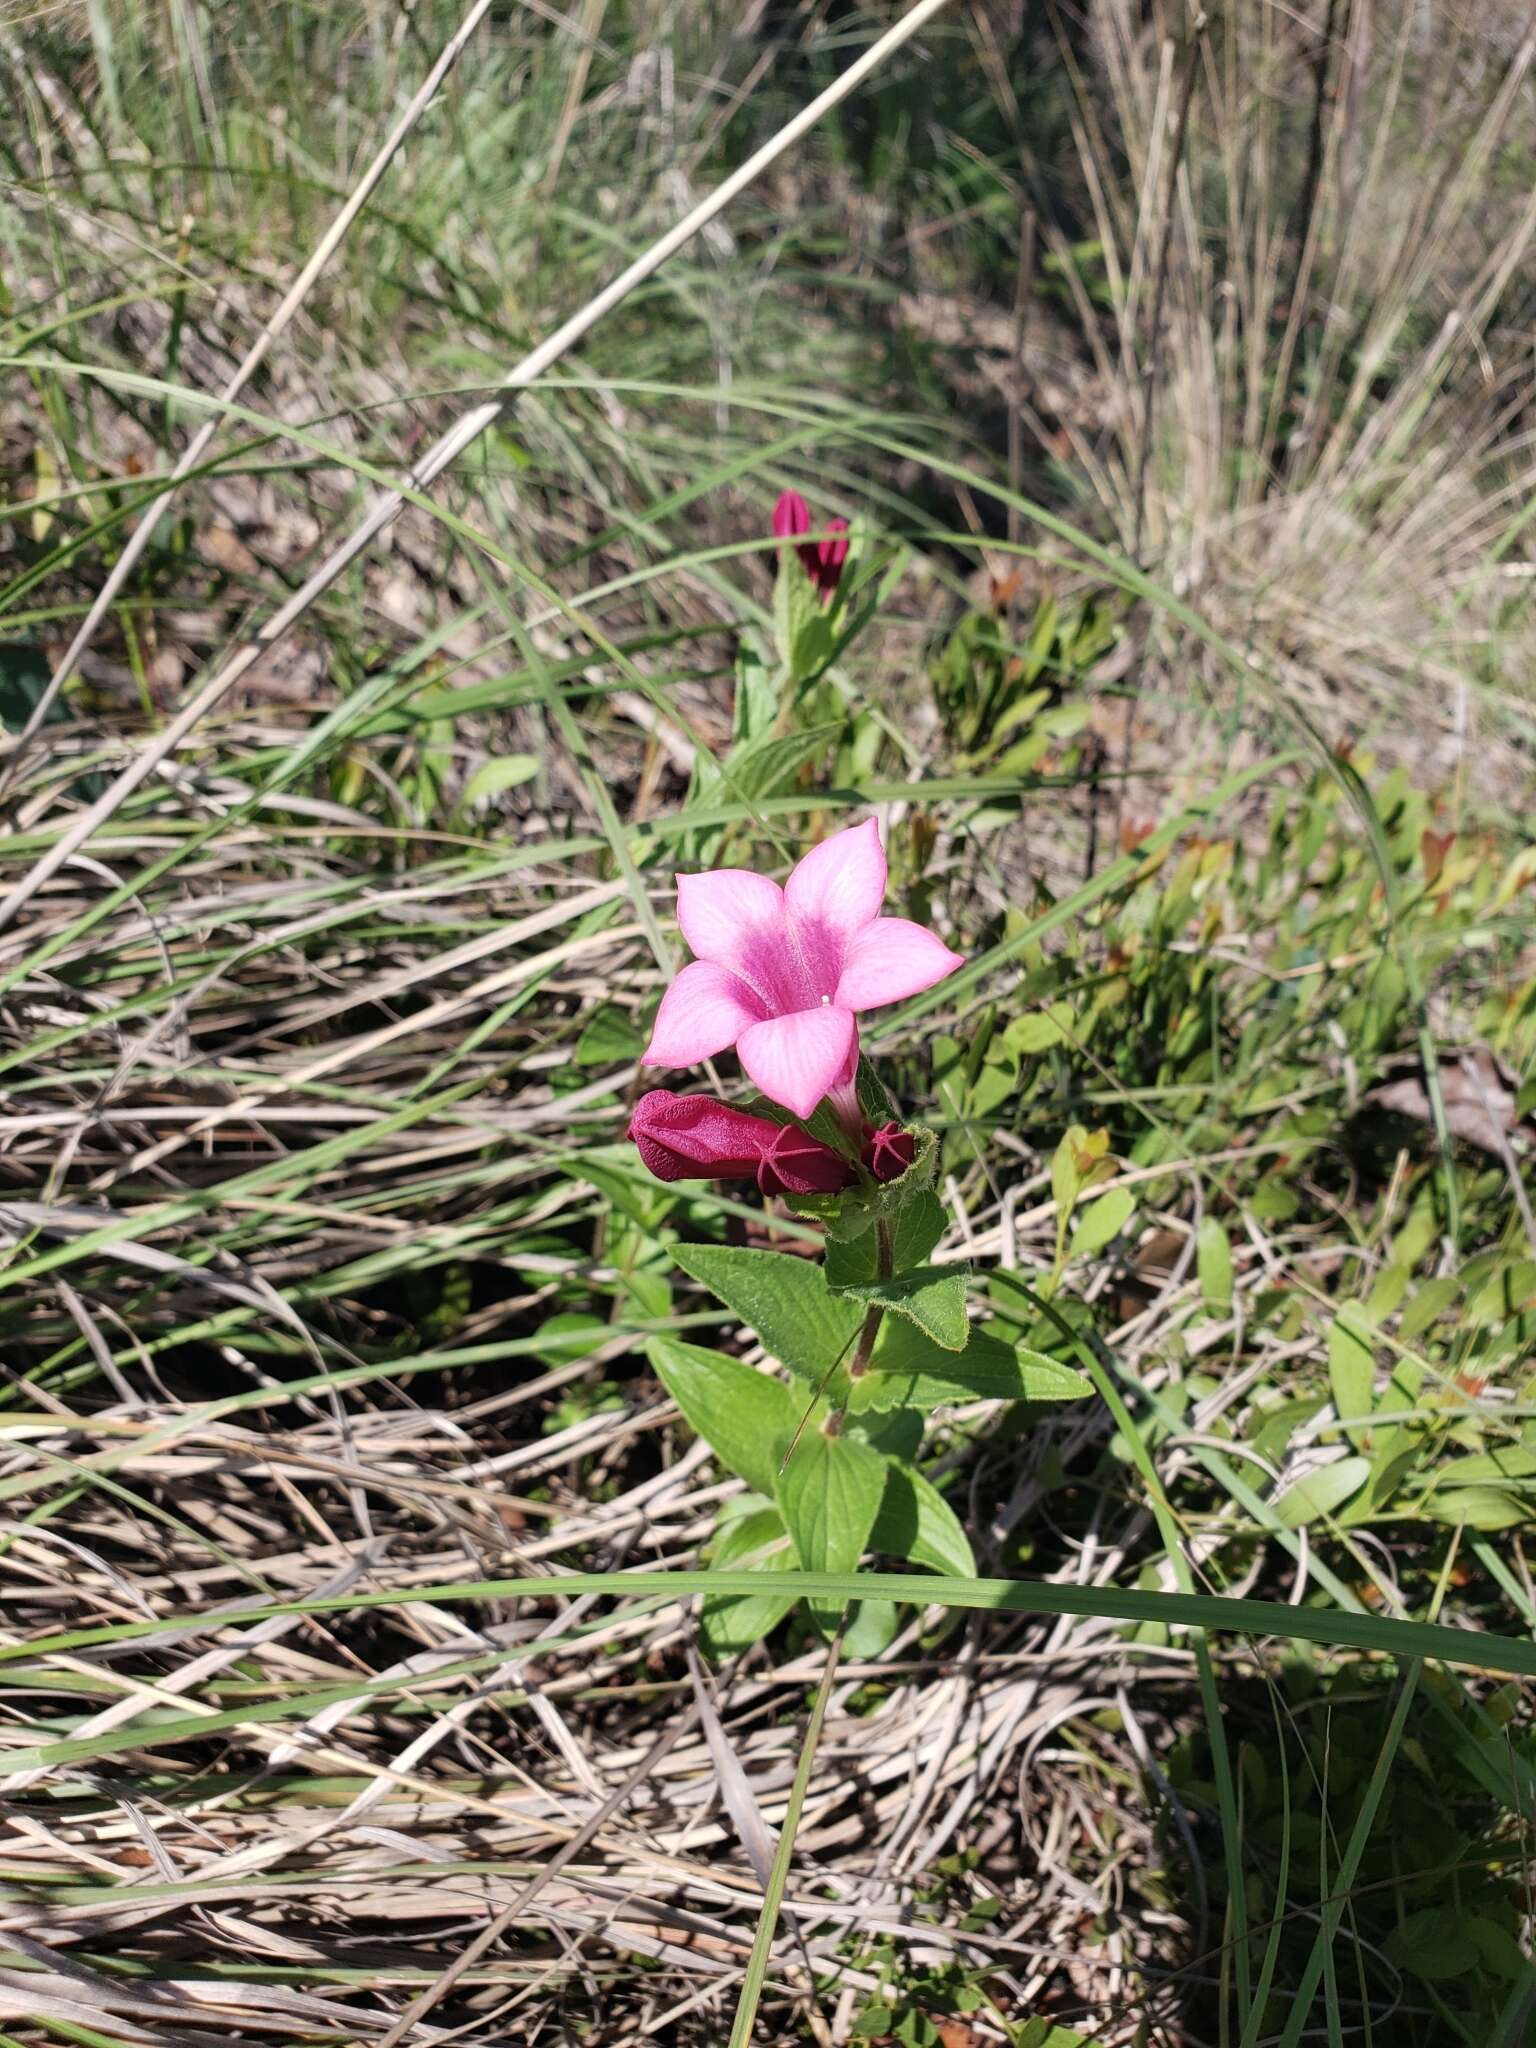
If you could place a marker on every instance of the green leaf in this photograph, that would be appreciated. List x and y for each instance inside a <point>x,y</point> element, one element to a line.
<point>1101,1222</point>
<point>1434,1944</point>
<point>494,778</point>
<point>1431,1302</point>
<point>933,1297</point>
<point>915,1230</point>
<point>916,1522</point>
<point>1351,1369</point>
<point>895,1432</point>
<point>747,1418</point>
<point>862,1207</point>
<point>1047,1379</point>
<point>1509,1461</point>
<point>1037,1033</point>
<point>784,1299</point>
<point>767,764</point>
<point>802,630</point>
<point>910,1371</point>
<point>830,1493</point>
<point>1213,1266</point>
<point>610,1035</point>
<point>1476,1507</point>
<point>757,1541</point>
<point>872,1626</point>
<point>1321,1492</point>
<point>1065,1179</point>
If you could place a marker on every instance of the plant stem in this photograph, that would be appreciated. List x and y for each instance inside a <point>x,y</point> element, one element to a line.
<point>778,1876</point>
<point>858,1365</point>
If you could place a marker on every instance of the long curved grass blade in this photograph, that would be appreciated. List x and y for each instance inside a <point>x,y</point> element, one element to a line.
<point>1379,1633</point>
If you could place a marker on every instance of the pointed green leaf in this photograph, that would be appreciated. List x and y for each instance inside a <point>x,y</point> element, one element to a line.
<point>1213,1266</point>
<point>1477,1507</point>
<point>933,1297</point>
<point>1351,1368</point>
<point>493,778</point>
<point>830,1493</point>
<point>916,1522</point>
<point>1101,1222</point>
<point>872,1626</point>
<point>784,1299</point>
<point>1321,1492</point>
<point>910,1371</point>
<point>1047,1379</point>
<point>747,1418</point>
<point>758,1542</point>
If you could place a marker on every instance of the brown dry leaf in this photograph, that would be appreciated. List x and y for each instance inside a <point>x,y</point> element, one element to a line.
<point>1480,1095</point>
<point>1433,847</point>
<point>222,546</point>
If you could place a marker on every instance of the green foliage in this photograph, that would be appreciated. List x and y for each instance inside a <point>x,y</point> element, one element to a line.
<point>873,1356</point>
<point>1437,1903</point>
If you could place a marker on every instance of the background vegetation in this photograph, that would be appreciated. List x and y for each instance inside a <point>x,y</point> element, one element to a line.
<point>1174,366</point>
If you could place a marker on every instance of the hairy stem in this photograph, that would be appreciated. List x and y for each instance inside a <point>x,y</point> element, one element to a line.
<point>858,1365</point>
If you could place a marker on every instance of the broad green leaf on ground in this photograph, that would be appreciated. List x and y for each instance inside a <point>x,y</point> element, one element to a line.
<point>830,1493</point>
<point>784,1299</point>
<point>610,1035</point>
<point>916,1522</point>
<point>933,1297</point>
<point>1351,1369</point>
<point>1477,1507</point>
<point>1321,1492</point>
<point>910,1371</point>
<point>496,777</point>
<point>756,1541</point>
<point>1101,1222</point>
<point>915,1230</point>
<point>1213,1266</point>
<point>871,1629</point>
<point>747,1418</point>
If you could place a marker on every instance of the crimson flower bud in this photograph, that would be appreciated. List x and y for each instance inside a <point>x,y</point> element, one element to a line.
<point>693,1137</point>
<point>889,1151</point>
<point>823,558</point>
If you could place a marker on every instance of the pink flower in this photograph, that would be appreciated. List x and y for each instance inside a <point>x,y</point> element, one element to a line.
<point>889,1151</point>
<point>823,558</point>
<point>780,973</point>
<point>693,1137</point>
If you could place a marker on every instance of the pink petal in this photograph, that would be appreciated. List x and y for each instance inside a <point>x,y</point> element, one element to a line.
<point>721,912</point>
<point>890,959</point>
<point>705,1010</point>
<point>796,1059</point>
<point>791,515</point>
<point>841,883</point>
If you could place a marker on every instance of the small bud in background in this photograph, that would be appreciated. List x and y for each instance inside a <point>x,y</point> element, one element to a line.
<point>823,558</point>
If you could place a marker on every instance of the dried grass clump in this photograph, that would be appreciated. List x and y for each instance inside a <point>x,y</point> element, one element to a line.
<point>1315,232</point>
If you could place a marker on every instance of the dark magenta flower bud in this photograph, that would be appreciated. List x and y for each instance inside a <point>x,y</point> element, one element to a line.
<point>693,1137</point>
<point>794,1164</point>
<point>824,557</point>
<point>889,1151</point>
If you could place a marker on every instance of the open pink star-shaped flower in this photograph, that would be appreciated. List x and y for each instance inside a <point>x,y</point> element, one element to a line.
<point>780,973</point>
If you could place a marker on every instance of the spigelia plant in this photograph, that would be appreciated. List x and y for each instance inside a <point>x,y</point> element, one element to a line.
<point>875,1334</point>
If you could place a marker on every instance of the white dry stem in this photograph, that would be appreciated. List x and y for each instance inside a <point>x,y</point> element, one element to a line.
<point>453,444</point>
